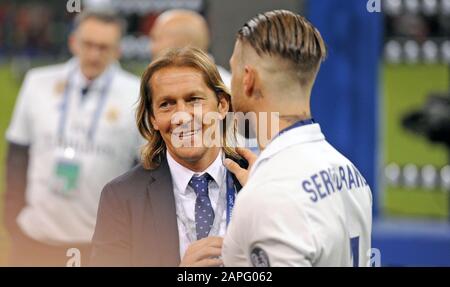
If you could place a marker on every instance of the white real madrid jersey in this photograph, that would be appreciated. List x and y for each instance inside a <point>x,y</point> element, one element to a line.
<point>305,204</point>
<point>55,218</point>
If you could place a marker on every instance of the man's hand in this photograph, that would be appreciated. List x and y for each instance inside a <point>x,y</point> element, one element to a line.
<point>241,173</point>
<point>204,253</point>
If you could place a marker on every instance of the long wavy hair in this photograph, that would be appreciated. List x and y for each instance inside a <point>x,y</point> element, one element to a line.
<point>153,153</point>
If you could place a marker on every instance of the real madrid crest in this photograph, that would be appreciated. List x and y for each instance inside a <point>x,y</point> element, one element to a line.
<point>112,114</point>
<point>59,87</point>
<point>259,257</point>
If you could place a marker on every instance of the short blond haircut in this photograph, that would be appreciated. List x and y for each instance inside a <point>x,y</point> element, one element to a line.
<point>289,36</point>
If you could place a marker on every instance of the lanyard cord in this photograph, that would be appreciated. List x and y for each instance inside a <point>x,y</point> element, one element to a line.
<point>98,110</point>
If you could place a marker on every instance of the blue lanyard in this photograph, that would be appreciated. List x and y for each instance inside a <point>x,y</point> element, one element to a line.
<point>98,111</point>
<point>297,125</point>
<point>231,195</point>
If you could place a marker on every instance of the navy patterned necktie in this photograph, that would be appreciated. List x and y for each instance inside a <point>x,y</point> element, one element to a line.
<point>204,213</point>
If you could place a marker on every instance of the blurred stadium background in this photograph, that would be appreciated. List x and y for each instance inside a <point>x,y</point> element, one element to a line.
<point>373,96</point>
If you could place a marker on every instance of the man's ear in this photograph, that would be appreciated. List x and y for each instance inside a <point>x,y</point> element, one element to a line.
<point>118,53</point>
<point>153,123</point>
<point>249,80</point>
<point>224,105</point>
<point>73,44</point>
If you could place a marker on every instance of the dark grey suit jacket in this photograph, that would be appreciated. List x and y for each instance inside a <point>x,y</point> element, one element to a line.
<point>136,221</point>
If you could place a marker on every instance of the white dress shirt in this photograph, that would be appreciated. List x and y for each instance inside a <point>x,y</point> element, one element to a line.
<point>185,196</point>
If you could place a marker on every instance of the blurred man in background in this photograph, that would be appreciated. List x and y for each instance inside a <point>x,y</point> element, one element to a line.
<point>71,132</point>
<point>179,28</point>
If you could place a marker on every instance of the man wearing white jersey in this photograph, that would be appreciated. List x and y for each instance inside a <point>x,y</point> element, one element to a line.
<point>304,203</point>
<point>72,131</point>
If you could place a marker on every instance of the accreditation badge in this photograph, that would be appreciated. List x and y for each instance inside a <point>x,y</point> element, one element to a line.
<point>66,172</point>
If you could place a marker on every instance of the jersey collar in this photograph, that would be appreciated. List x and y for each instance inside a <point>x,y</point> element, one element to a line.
<point>295,136</point>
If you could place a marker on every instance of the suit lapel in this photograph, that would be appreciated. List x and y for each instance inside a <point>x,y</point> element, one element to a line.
<point>162,200</point>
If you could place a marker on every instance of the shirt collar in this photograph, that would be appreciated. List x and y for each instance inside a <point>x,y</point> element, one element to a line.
<point>295,136</point>
<point>80,81</point>
<point>182,175</point>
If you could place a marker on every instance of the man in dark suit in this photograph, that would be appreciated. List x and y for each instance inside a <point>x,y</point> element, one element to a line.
<point>173,208</point>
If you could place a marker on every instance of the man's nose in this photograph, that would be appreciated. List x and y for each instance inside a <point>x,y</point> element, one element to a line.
<point>95,54</point>
<point>182,115</point>
<point>182,106</point>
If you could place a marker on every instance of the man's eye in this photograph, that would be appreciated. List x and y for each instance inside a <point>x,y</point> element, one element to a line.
<point>196,99</point>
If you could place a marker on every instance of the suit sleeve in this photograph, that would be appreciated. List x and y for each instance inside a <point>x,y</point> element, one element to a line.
<point>111,243</point>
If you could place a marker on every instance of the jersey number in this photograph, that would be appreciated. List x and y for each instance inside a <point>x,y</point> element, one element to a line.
<point>354,244</point>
